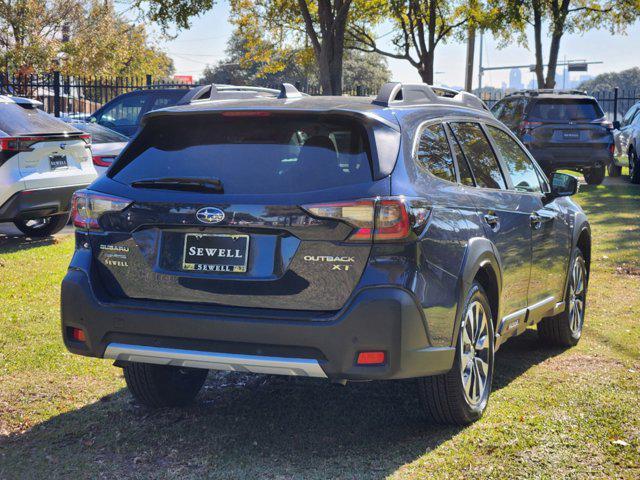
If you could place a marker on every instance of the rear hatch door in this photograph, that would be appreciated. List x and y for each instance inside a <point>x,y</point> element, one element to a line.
<point>240,237</point>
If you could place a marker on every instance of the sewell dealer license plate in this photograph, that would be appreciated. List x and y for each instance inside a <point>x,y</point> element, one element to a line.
<point>204,252</point>
<point>58,161</point>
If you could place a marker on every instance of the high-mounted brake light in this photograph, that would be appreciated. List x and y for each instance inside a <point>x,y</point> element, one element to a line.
<point>377,219</point>
<point>245,113</point>
<point>103,160</point>
<point>88,207</point>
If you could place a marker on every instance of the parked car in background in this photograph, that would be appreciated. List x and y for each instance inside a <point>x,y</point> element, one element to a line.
<point>106,144</point>
<point>627,138</point>
<point>124,112</point>
<point>561,129</point>
<point>43,160</point>
<point>333,237</point>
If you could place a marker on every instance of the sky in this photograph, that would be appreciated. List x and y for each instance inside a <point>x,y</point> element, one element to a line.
<point>205,42</point>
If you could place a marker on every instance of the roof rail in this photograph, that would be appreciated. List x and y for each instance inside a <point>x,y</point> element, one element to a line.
<point>405,93</point>
<point>211,92</point>
<point>542,91</point>
<point>420,93</point>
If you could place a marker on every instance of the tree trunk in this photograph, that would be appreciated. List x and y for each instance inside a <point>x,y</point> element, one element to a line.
<point>537,31</point>
<point>554,50</point>
<point>471,45</point>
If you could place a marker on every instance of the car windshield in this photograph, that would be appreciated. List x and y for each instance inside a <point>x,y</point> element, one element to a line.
<point>100,134</point>
<point>250,154</point>
<point>566,110</point>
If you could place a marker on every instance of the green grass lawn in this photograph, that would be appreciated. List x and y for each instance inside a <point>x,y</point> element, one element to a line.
<point>553,413</point>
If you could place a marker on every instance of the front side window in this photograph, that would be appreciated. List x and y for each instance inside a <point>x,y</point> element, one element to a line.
<point>478,152</point>
<point>433,153</point>
<point>523,173</point>
<point>124,112</point>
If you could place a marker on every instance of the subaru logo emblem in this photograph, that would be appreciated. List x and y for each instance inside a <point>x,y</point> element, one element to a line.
<point>210,215</point>
<point>63,146</point>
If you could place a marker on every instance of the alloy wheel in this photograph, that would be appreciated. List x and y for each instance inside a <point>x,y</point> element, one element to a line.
<point>36,223</point>
<point>474,361</point>
<point>577,293</point>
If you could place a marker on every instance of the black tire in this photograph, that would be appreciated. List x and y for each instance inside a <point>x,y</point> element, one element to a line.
<point>595,176</point>
<point>443,397</point>
<point>42,227</point>
<point>634,167</point>
<point>159,386</point>
<point>565,330</point>
<point>615,170</point>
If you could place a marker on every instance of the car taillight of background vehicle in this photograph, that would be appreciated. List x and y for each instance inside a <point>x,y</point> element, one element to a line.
<point>25,144</point>
<point>378,219</point>
<point>103,160</point>
<point>88,207</point>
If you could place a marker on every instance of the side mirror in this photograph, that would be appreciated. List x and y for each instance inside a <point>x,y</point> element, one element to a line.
<point>563,185</point>
<point>616,124</point>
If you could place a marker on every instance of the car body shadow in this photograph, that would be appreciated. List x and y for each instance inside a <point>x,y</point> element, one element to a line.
<point>245,426</point>
<point>12,240</point>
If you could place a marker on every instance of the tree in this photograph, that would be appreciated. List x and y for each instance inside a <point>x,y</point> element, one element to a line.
<point>625,80</point>
<point>561,17</point>
<point>420,26</point>
<point>242,67</point>
<point>103,44</point>
<point>29,31</point>
<point>78,37</point>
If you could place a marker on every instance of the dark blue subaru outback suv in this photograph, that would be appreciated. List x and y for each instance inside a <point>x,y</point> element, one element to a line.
<point>334,237</point>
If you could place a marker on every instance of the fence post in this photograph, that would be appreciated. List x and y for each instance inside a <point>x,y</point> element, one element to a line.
<point>149,81</point>
<point>615,104</point>
<point>56,93</point>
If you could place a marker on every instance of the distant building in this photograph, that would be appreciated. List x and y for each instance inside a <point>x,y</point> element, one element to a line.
<point>515,79</point>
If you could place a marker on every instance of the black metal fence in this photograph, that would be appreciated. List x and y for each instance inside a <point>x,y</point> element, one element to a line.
<point>81,96</point>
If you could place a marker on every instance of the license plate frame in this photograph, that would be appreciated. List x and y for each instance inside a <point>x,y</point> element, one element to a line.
<point>58,162</point>
<point>571,135</point>
<point>237,264</point>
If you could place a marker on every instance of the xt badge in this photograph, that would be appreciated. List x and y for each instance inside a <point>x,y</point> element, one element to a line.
<point>338,263</point>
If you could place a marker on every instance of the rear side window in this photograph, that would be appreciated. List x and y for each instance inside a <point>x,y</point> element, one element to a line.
<point>565,110</point>
<point>510,112</point>
<point>523,173</point>
<point>17,120</point>
<point>478,152</point>
<point>466,177</point>
<point>267,154</point>
<point>433,153</point>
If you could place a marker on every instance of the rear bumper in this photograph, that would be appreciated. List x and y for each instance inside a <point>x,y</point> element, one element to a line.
<point>554,158</point>
<point>377,318</point>
<point>38,203</point>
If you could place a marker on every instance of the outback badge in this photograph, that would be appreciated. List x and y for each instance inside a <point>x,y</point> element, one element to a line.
<point>210,215</point>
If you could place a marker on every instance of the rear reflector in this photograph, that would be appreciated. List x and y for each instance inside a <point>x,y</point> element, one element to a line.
<point>371,358</point>
<point>77,334</point>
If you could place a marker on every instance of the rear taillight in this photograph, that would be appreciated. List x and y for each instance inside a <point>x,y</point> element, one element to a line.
<point>103,161</point>
<point>25,144</point>
<point>377,219</point>
<point>612,149</point>
<point>88,207</point>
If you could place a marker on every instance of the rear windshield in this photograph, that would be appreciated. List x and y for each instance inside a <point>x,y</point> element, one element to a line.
<point>17,120</point>
<point>100,134</point>
<point>257,154</point>
<point>565,110</point>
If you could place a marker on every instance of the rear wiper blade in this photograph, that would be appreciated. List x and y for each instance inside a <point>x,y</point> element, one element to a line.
<point>192,184</point>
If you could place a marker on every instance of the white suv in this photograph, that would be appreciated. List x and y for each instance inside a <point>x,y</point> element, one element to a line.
<point>42,162</point>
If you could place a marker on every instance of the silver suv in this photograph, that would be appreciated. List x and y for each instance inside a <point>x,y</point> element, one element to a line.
<point>627,138</point>
<point>42,162</point>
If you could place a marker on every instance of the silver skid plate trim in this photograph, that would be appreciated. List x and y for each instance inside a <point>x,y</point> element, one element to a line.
<point>300,367</point>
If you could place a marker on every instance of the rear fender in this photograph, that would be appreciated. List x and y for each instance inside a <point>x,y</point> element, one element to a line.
<point>480,253</point>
